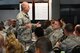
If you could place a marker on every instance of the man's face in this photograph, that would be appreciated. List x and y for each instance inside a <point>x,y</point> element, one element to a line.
<point>55,25</point>
<point>9,22</point>
<point>26,7</point>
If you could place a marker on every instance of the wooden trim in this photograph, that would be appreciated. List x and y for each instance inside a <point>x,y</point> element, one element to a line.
<point>36,1</point>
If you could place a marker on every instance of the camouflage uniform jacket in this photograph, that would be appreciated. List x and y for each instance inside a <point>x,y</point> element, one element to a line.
<point>55,36</point>
<point>48,30</point>
<point>23,34</point>
<point>69,43</point>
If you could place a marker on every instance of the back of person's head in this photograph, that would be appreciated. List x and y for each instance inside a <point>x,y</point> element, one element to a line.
<point>39,32</point>
<point>43,45</point>
<point>69,27</point>
<point>76,49</point>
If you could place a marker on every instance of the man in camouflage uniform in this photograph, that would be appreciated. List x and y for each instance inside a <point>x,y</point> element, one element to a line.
<point>55,36</point>
<point>57,32</point>
<point>71,41</point>
<point>24,25</point>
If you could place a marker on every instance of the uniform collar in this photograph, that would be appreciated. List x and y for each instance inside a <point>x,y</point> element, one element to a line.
<point>25,14</point>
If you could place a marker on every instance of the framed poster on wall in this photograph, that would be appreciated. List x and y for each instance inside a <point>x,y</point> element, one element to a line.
<point>41,11</point>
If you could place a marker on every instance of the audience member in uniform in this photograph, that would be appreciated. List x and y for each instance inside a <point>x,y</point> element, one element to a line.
<point>71,41</point>
<point>7,25</point>
<point>13,27</point>
<point>57,32</point>
<point>49,29</point>
<point>39,32</point>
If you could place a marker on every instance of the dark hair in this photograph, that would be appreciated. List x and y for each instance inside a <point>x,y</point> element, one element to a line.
<point>44,44</point>
<point>57,49</point>
<point>76,49</point>
<point>39,32</point>
<point>62,19</point>
<point>69,27</point>
<point>1,26</point>
<point>47,23</point>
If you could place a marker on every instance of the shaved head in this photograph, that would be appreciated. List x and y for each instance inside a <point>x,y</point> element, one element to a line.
<point>25,3</point>
<point>25,6</point>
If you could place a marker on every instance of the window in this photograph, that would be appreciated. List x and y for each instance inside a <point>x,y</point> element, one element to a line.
<point>30,11</point>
